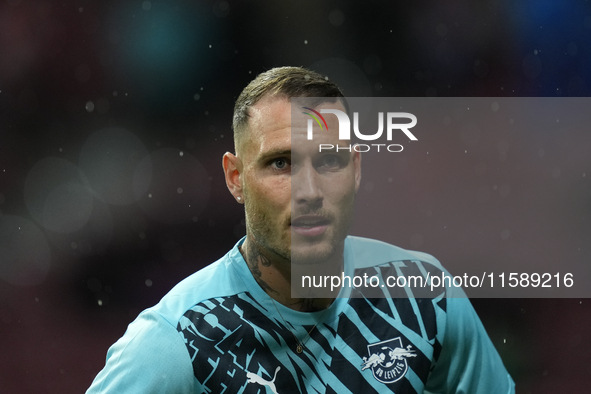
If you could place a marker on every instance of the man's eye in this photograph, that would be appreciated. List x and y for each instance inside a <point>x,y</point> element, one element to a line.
<point>330,161</point>
<point>279,163</point>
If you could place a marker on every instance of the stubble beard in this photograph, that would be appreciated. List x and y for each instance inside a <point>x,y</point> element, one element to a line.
<point>323,251</point>
<point>261,230</point>
<point>269,233</point>
<point>318,252</point>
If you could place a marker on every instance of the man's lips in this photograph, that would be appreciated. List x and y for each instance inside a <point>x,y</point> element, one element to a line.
<point>310,225</point>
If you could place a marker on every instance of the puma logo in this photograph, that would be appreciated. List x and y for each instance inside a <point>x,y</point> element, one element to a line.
<point>253,378</point>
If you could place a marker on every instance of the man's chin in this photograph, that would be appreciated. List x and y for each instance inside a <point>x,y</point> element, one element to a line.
<point>316,254</point>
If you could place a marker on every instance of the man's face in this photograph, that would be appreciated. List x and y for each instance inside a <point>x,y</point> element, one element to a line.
<point>299,202</point>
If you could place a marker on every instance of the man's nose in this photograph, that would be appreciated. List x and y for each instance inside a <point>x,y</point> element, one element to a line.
<point>306,185</point>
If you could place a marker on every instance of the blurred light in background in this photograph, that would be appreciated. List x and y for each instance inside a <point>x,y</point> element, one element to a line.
<point>92,238</point>
<point>57,196</point>
<point>179,189</point>
<point>346,75</point>
<point>549,50</point>
<point>109,159</point>
<point>161,47</point>
<point>24,252</point>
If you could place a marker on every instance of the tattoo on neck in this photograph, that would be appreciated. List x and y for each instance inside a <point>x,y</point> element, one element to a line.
<point>253,258</point>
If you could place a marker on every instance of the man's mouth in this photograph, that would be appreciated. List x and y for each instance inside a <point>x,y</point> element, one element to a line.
<point>310,225</point>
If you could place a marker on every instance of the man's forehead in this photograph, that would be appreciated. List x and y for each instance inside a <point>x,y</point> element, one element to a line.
<point>273,121</point>
<point>268,126</point>
<point>274,107</point>
<point>325,127</point>
<point>269,113</point>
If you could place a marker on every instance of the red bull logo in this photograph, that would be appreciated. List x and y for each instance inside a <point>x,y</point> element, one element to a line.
<point>387,360</point>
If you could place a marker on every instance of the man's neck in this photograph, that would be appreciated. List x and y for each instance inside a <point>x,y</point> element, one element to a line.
<point>273,274</point>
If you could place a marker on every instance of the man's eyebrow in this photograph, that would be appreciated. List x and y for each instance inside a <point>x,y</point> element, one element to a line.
<point>275,153</point>
<point>333,149</point>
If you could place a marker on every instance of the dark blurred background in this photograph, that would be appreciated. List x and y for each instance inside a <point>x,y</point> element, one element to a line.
<point>114,116</point>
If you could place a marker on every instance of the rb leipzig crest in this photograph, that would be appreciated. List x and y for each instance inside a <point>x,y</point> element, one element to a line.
<point>387,360</point>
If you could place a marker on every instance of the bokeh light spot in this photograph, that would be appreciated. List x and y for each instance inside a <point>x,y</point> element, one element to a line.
<point>57,196</point>
<point>67,208</point>
<point>109,159</point>
<point>24,252</point>
<point>94,237</point>
<point>167,202</point>
<point>336,17</point>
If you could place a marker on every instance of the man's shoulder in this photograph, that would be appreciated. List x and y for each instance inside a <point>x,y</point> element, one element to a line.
<point>219,279</point>
<point>367,252</point>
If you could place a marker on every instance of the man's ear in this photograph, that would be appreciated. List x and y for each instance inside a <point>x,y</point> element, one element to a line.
<point>233,172</point>
<point>357,166</point>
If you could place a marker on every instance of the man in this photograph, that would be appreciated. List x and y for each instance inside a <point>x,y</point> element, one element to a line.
<point>236,327</point>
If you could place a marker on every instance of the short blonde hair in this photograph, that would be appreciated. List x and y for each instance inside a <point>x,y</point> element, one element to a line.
<point>282,82</point>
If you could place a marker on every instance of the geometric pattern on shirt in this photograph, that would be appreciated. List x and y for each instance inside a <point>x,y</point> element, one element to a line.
<point>230,339</point>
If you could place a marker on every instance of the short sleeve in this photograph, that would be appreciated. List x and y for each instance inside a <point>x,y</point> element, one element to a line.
<point>151,357</point>
<point>469,362</point>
